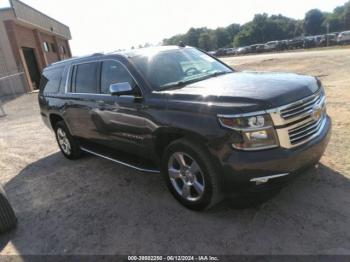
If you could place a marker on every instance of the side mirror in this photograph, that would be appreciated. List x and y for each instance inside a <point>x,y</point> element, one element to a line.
<point>120,89</point>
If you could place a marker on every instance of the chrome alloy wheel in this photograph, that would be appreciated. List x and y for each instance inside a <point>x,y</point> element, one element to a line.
<point>186,176</point>
<point>63,141</point>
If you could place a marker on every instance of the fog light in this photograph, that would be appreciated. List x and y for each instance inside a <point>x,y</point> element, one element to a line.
<point>257,135</point>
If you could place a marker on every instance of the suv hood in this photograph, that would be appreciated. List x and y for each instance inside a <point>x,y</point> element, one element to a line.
<point>249,90</point>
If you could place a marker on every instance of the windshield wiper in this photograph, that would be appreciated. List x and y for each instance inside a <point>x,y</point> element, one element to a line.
<point>172,85</point>
<point>219,73</point>
<point>182,83</point>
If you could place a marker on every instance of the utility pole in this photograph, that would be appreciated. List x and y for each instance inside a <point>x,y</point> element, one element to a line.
<point>3,113</point>
<point>328,34</point>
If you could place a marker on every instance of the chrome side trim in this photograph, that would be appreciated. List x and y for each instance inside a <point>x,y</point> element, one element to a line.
<point>120,162</point>
<point>264,179</point>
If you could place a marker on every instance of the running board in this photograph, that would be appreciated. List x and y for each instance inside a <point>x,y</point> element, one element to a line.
<point>121,162</point>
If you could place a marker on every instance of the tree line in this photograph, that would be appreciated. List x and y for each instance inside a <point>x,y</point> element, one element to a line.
<point>264,28</point>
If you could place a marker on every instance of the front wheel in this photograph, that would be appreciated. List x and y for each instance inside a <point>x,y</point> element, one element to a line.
<point>190,175</point>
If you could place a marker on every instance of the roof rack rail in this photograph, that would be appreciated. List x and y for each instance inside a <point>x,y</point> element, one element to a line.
<point>76,58</point>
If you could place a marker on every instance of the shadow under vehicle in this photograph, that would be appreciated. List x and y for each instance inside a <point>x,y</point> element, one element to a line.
<point>93,206</point>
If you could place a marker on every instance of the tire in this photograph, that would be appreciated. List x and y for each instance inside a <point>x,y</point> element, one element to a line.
<point>202,186</point>
<point>68,145</point>
<point>8,218</point>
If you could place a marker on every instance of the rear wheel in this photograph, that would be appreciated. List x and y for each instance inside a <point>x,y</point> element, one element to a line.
<point>8,218</point>
<point>190,175</point>
<point>67,143</point>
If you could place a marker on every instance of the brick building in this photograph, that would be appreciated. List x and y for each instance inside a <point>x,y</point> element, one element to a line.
<point>29,41</point>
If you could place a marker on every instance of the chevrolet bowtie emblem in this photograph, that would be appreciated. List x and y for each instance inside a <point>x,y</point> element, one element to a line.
<point>316,112</point>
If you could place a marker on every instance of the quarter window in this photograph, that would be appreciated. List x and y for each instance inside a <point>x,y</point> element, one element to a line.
<point>85,78</point>
<point>113,72</point>
<point>50,80</point>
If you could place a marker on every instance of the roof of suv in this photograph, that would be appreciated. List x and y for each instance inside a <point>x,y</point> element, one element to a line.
<point>147,50</point>
<point>125,53</point>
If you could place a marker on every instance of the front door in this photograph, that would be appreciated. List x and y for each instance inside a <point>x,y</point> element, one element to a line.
<point>119,119</point>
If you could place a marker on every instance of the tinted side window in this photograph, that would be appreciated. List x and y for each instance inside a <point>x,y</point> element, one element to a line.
<point>112,73</point>
<point>86,78</point>
<point>51,79</point>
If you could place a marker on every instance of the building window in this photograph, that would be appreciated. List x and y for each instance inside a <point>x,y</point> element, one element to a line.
<point>63,50</point>
<point>53,47</point>
<point>46,46</point>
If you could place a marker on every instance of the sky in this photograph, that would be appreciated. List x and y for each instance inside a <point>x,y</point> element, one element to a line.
<point>108,25</point>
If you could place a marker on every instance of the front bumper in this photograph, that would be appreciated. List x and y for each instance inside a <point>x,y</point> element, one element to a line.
<point>240,167</point>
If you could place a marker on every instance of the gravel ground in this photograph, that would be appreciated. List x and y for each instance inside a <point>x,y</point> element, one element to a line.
<point>93,206</point>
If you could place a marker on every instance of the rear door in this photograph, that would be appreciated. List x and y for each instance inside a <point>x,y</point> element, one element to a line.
<point>82,96</point>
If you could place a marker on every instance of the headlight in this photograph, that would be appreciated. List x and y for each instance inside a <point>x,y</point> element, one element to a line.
<point>257,132</point>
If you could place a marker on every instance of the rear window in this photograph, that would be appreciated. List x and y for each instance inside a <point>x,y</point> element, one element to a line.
<point>51,79</point>
<point>85,78</point>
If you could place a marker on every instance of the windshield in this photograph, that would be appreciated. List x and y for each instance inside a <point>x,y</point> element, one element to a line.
<point>172,68</point>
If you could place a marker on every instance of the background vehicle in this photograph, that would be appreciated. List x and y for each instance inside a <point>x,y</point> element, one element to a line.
<point>231,51</point>
<point>309,42</point>
<point>344,37</point>
<point>284,44</point>
<point>295,43</point>
<point>221,52</point>
<point>271,46</point>
<point>332,39</point>
<point>243,50</point>
<point>258,48</point>
<point>210,130</point>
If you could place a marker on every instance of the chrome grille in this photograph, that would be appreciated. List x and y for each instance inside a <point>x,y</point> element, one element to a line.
<point>301,121</point>
<point>304,132</point>
<point>302,107</point>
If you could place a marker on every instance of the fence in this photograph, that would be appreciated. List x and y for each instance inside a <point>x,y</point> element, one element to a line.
<point>11,86</point>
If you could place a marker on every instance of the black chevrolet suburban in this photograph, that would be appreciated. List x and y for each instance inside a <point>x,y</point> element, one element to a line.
<point>210,130</point>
